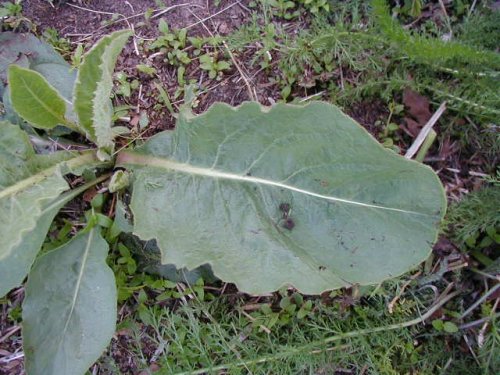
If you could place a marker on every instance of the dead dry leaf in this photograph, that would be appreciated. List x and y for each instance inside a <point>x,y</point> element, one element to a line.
<point>418,109</point>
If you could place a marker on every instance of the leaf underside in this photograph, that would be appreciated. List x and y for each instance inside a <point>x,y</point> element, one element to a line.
<point>287,195</point>
<point>28,182</point>
<point>30,196</point>
<point>69,310</point>
<point>17,264</point>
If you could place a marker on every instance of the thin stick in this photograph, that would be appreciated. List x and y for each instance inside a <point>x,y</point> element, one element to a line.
<point>10,333</point>
<point>448,23</point>
<point>479,301</point>
<point>94,11</point>
<point>480,321</point>
<point>163,11</point>
<point>213,15</point>
<point>251,93</point>
<point>425,131</point>
<point>390,307</point>
<point>472,8</point>
<point>301,349</point>
<point>156,13</point>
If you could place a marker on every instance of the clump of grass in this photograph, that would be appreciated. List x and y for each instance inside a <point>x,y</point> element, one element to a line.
<point>482,30</point>
<point>288,333</point>
<point>432,50</point>
<point>476,217</point>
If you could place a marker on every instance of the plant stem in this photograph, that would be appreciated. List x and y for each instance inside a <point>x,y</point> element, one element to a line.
<point>479,301</point>
<point>70,194</point>
<point>429,140</point>
<point>301,349</point>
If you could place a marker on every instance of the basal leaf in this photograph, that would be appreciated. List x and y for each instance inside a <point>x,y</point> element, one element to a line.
<point>17,264</point>
<point>93,89</point>
<point>69,310</point>
<point>28,183</point>
<point>34,99</point>
<point>27,51</point>
<point>287,195</point>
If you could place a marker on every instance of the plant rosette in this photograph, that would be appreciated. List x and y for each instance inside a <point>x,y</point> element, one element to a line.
<point>299,196</point>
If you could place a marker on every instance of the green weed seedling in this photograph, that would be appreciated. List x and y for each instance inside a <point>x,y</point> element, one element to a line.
<point>76,56</point>
<point>389,128</point>
<point>125,85</point>
<point>146,69</point>
<point>11,17</point>
<point>315,6</point>
<point>11,9</point>
<point>215,67</point>
<point>283,8</point>
<point>242,191</point>
<point>61,45</point>
<point>197,43</point>
<point>172,44</point>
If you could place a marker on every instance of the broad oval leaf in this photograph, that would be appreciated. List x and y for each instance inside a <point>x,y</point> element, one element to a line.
<point>25,187</point>
<point>34,99</point>
<point>69,310</point>
<point>287,195</point>
<point>93,89</point>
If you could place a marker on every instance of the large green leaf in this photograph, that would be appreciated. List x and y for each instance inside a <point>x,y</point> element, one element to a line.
<point>17,264</point>
<point>93,89</point>
<point>69,310</point>
<point>34,99</point>
<point>27,51</point>
<point>28,183</point>
<point>287,195</point>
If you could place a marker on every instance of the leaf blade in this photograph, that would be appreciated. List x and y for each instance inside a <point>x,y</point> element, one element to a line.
<point>28,183</point>
<point>69,310</point>
<point>17,264</point>
<point>358,213</point>
<point>93,88</point>
<point>34,99</point>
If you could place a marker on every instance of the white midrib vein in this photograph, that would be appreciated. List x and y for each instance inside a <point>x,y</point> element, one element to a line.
<point>78,283</point>
<point>151,161</point>
<point>48,108</point>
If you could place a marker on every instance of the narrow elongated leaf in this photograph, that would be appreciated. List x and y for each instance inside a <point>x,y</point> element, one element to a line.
<point>69,310</point>
<point>34,99</point>
<point>28,183</point>
<point>17,264</point>
<point>287,195</point>
<point>93,89</point>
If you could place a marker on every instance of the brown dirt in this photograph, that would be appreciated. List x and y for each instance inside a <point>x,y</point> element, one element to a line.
<point>84,20</point>
<point>87,21</point>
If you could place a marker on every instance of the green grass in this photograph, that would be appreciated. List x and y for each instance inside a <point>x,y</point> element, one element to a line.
<point>358,52</point>
<point>242,335</point>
